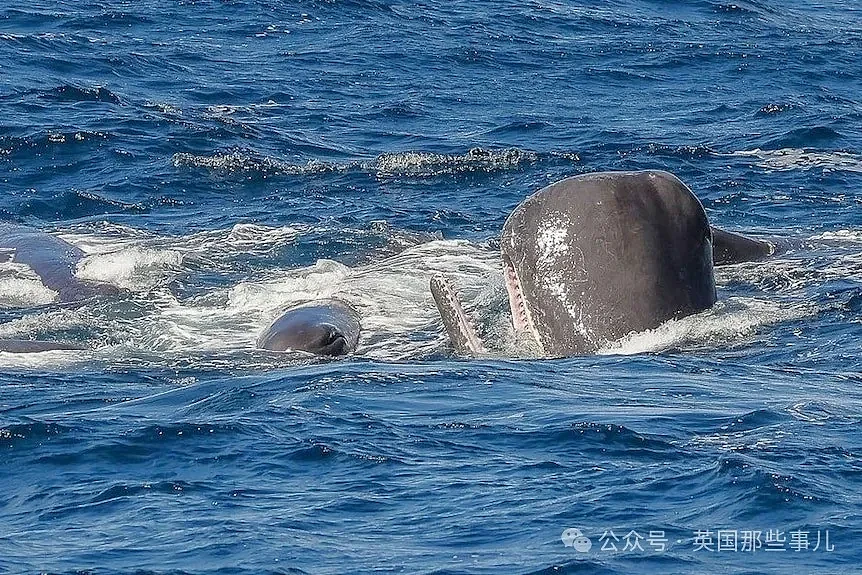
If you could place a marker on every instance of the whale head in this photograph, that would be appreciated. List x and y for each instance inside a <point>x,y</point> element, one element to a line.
<point>321,327</point>
<point>594,257</point>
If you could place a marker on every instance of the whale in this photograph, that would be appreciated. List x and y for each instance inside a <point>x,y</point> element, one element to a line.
<point>54,260</point>
<point>594,257</point>
<point>327,327</point>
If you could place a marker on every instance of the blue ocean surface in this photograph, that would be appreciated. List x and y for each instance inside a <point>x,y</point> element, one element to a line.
<point>220,160</point>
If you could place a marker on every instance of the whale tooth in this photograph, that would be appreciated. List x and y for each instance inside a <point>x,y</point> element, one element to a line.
<point>458,324</point>
<point>521,318</point>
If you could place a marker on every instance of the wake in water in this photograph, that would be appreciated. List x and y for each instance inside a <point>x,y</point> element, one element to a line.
<point>176,314</point>
<point>784,159</point>
<point>159,323</point>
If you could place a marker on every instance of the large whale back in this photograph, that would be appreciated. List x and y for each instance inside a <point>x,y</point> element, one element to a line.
<point>594,257</point>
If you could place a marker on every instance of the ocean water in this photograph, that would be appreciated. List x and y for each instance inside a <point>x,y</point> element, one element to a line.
<point>219,160</point>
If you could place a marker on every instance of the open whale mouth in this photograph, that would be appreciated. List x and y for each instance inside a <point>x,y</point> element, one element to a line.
<point>333,342</point>
<point>522,319</point>
<point>462,332</point>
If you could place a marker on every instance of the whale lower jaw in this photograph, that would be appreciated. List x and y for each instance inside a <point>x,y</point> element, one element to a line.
<point>522,319</point>
<point>458,326</point>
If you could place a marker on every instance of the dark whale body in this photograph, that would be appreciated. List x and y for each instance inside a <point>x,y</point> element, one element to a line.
<point>53,260</point>
<point>322,327</point>
<point>592,258</point>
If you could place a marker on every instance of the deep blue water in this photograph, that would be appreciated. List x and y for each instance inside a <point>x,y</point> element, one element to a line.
<point>219,160</point>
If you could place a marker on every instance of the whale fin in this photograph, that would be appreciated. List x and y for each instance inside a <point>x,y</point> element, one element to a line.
<point>730,248</point>
<point>458,326</point>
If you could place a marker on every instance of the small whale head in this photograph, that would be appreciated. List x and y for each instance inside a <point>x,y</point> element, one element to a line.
<point>323,327</point>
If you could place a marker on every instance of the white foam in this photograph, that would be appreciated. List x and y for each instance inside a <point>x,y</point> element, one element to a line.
<point>412,164</point>
<point>802,159</point>
<point>49,321</point>
<point>431,164</point>
<point>321,280</point>
<point>42,359</point>
<point>105,238</point>
<point>730,321</point>
<point>244,236</point>
<point>164,108</point>
<point>132,268</point>
<point>21,287</point>
<point>217,246</point>
<point>400,321</point>
<point>16,292</point>
<point>758,439</point>
<point>854,236</point>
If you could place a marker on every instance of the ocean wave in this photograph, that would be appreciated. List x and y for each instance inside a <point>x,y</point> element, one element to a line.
<point>134,268</point>
<point>431,164</point>
<point>122,490</point>
<point>751,420</point>
<point>822,413</point>
<point>406,164</point>
<point>75,204</point>
<point>729,321</point>
<point>854,236</point>
<point>692,152</point>
<point>792,277</point>
<point>106,20</point>
<point>33,432</point>
<point>72,93</point>
<point>319,451</point>
<point>803,159</point>
<point>594,437</point>
<point>803,138</point>
<point>735,8</point>
<point>48,140</point>
<point>163,108</point>
<point>45,40</point>
<point>759,431</point>
<point>774,108</point>
<point>250,164</point>
<point>20,287</point>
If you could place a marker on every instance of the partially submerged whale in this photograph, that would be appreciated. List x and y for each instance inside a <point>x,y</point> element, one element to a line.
<point>594,257</point>
<point>53,259</point>
<point>322,327</point>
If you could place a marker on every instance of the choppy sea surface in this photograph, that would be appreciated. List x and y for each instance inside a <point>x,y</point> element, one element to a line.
<point>221,160</point>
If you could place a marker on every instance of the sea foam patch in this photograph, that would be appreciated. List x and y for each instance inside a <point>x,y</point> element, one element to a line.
<point>803,159</point>
<point>133,268</point>
<point>728,322</point>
